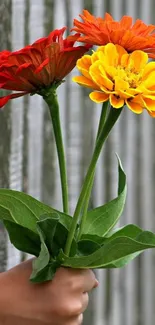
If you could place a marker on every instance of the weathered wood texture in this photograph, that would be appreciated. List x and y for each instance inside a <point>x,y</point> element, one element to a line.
<point>5,42</point>
<point>28,158</point>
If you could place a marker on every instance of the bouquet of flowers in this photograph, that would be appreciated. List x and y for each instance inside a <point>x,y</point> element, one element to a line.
<point>120,76</point>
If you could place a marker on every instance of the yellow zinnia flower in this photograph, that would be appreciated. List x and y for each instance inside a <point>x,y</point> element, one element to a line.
<point>121,78</point>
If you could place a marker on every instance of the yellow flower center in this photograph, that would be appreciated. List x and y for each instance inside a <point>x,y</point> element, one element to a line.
<point>131,76</point>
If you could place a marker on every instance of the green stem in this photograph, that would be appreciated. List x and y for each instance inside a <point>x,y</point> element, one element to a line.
<point>51,100</point>
<point>103,117</point>
<point>112,118</point>
<point>85,209</point>
<point>87,197</point>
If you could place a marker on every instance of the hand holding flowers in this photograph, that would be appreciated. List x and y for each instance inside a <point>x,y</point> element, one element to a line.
<point>119,74</point>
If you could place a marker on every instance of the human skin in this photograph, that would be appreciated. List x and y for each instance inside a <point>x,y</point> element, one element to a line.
<point>61,301</point>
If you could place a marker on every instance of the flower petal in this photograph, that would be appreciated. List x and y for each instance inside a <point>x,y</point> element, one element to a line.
<point>126,22</point>
<point>136,105</point>
<point>98,97</point>
<point>129,93</point>
<point>150,67</point>
<point>121,84</point>
<point>150,81</point>
<point>23,66</point>
<point>42,65</point>
<point>137,60</point>
<point>4,100</point>
<point>151,113</point>
<point>149,103</point>
<point>116,101</point>
<point>84,64</point>
<point>121,51</point>
<point>111,49</point>
<point>99,76</point>
<point>125,60</point>
<point>83,81</point>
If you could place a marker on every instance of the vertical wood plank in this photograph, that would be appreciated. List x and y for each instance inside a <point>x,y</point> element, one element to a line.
<point>74,129</point>
<point>130,274</point>
<point>35,112</point>
<point>17,114</point>
<point>49,176</point>
<point>115,139</point>
<point>5,43</point>
<point>147,199</point>
<point>60,18</point>
<point>131,8</point>
<point>130,212</point>
<point>116,7</point>
<point>98,200</point>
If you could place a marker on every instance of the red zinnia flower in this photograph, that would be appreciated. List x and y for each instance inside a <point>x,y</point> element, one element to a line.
<point>40,65</point>
<point>100,31</point>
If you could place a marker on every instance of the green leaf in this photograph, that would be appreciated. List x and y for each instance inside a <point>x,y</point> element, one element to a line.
<point>41,262</point>
<point>130,230</point>
<point>97,239</point>
<point>55,233</point>
<point>16,212</point>
<point>5,214</point>
<point>125,260</point>
<point>65,219</point>
<point>23,209</point>
<point>46,274</point>
<point>101,220</point>
<point>87,247</point>
<point>47,224</point>
<point>22,238</point>
<point>53,236</point>
<point>60,238</point>
<point>44,266</point>
<point>112,252</point>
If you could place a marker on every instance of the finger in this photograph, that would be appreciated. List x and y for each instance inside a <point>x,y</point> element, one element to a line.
<point>78,320</point>
<point>85,301</point>
<point>96,284</point>
<point>90,281</point>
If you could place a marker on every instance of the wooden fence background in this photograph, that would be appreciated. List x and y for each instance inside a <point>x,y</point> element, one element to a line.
<point>28,159</point>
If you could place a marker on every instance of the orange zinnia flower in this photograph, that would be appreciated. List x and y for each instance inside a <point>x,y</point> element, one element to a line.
<point>100,31</point>
<point>40,65</point>
<point>121,78</point>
